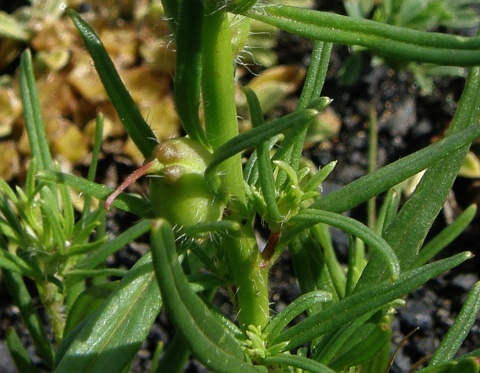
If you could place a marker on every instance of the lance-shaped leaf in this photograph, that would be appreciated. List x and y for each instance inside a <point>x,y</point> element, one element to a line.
<point>108,340</point>
<point>264,164</point>
<point>131,118</point>
<point>188,68</point>
<point>299,305</point>
<point>446,236</point>
<point>33,116</point>
<point>387,177</point>
<point>17,288</point>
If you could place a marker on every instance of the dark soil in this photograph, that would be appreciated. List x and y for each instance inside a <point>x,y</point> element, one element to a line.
<point>407,121</point>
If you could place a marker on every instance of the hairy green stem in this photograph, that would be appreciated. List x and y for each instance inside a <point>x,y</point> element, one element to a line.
<point>244,260</point>
<point>218,96</point>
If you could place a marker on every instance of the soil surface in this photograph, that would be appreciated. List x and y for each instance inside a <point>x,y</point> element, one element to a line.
<point>407,121</point>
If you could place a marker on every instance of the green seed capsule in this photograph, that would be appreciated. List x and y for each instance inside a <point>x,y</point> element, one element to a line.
<point>180,193</point>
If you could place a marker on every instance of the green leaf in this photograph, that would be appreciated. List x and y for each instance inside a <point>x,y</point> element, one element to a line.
<point>33,116</point>
<point>316,73</point>
<point>308,218</point>
<point>109,339</point>
<point>299,305</point>
<point>188,69</point>
<point>19,355</point>
<point>16,264</point>
<point>264,164</point>
<point>108,248</point>
<point>387,177</point>
<point>460,328</point>
<point>206,338</point>
<point>391,41</point>
<point>19,292</point>
<point>87,303</point>
<point>364,345</point>
<point>257,136</point>
<point>131,118</point>
<point>373,298</point>
<point>468,365</point>
<point>92,169</point>
<point>309,263</point>
<point>446,236</point>
<point>335,341</point>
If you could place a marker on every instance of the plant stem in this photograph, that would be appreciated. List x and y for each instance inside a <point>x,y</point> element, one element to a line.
<point>219,96</point>
<point>243,257</point>
<point>53,302</point>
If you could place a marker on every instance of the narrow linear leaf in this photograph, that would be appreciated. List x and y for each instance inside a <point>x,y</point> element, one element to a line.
<point>375,297</point>
<point>316,74</point>
<point>364,345</point>
<point>109,339</point>
<point>446,236</point>
<point>19,354</point>
<point>139,130</point>
<point>388,40</point>
<point>308,218</point>
<point>32,320</point>
<point>87,273</point>
<point>309,265</point>
<point>314,81</point>
<point>110,247</point>
<point>460,328</point>
<point>33,116</point>
<point>299,305</point>
<point>387,177</point>
<point>86,248</point>
<point>16,264</point>
<point>92,169</point>
<point>331,343</point>
<point>258,135</point>
<point>206,338</point>
<point>188,64</point>
<point>264,164</point>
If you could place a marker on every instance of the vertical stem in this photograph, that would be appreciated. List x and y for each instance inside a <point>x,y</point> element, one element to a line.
<point>243,257</point>
<point>219,95</point>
